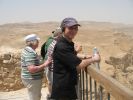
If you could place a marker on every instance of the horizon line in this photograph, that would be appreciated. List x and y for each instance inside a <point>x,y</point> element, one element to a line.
<point>32,22</point>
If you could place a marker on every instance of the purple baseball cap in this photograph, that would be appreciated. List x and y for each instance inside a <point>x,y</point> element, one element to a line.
<point>68,22</point>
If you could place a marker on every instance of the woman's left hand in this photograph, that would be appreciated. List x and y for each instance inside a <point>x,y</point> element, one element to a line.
<point>78,48</point>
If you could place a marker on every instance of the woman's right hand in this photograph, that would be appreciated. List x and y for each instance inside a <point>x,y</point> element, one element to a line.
<point>33,68</point>
<point>96,58</point>
<point>48,61</point>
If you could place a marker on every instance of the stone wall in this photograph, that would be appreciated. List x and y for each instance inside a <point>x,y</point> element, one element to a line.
<point>10,72</point>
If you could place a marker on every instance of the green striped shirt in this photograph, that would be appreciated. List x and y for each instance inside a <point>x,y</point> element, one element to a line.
<point>29,57</point>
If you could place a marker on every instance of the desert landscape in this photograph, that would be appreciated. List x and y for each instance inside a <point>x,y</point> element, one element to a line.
<point>113,40</point>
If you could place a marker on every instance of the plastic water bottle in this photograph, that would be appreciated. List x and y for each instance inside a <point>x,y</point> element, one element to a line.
<point>95,51</point>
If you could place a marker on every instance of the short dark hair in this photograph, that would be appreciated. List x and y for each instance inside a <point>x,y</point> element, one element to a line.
<point>63,29</point>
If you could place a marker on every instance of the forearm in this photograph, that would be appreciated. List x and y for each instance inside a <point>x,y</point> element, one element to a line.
<point>83,56</point>
<point>41,67</point>
<point>34,69</point>
<point>84,63</point>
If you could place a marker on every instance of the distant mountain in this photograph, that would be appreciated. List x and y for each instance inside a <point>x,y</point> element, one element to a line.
<point>14,32</point>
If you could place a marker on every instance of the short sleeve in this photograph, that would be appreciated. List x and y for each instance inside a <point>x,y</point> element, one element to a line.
<point>30,58</point>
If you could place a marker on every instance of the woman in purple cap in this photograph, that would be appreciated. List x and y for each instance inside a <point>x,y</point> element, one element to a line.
<point>67,64</point>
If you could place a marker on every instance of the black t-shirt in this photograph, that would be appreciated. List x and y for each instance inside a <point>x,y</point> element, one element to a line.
<point>64,71</point>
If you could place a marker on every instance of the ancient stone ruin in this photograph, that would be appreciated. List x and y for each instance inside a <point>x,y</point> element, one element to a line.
<point>10,72</point>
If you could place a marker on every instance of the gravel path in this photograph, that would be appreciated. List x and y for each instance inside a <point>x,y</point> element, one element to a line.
<point>20,95</point>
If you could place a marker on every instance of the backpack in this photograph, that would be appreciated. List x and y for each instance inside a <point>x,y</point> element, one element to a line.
<point>45,46</point>
<point>43,51</point>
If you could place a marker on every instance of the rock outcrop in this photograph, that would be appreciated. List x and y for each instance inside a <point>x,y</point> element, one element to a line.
<point>123,68</point>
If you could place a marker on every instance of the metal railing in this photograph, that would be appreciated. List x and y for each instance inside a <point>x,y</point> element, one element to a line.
<point>94,82</point>
<point>96,85</point>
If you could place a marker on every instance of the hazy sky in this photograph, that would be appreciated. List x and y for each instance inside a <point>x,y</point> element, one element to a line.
<point>119,11</point>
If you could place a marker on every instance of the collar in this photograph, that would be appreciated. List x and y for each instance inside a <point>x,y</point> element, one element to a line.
<point>66,41</point>
<point>30,48</point>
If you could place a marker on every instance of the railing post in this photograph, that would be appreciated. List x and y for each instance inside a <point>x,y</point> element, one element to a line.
<point>80,80</point>
<point>95,86</point>
<point>90,88</point>
<point>101,93</point>
<point>83,86</point>
<point>86,85</point>
<point>108,96</point>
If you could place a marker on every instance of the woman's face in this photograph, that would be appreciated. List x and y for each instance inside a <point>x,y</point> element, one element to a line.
<point>70,32</point>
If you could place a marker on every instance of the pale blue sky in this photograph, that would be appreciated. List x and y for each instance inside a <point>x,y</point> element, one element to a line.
<point>118,11</point>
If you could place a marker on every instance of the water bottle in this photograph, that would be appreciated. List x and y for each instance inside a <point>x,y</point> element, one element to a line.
<point>95,51</point>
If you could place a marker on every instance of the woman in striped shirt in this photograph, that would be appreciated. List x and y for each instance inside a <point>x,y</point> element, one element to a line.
<point>32,70</point>
<point>50,49</point>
